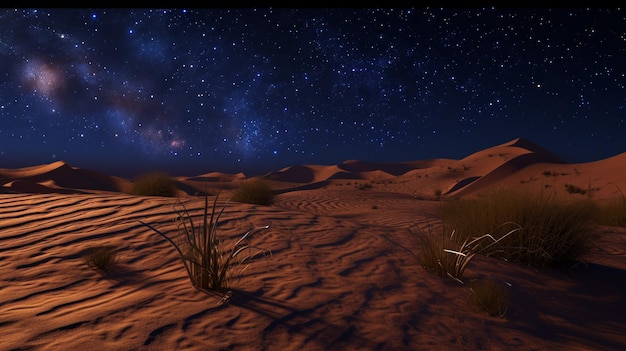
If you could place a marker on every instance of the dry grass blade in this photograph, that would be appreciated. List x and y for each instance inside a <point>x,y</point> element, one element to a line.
<point>467,251</point>
<point>450,256</point>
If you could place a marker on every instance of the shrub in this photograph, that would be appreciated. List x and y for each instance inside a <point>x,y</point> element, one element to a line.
<point>101,257</point>
<point>552,232</point>
<point>254,191</point>
<point>210,265</point>
<point>154,184</point>
<point>490,295</point>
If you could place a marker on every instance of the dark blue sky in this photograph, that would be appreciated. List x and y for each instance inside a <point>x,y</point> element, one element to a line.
<point>126,91</point>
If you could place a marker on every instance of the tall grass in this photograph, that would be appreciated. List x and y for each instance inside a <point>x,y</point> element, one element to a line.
<point>552,232</point>
<point>209,263</point>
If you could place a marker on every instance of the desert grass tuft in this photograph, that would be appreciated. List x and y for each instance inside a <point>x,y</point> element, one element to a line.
<point>101,257</point>
<point>490,295</point>
<point>154,184</point>
<point>254,191</point>
<point>448,256</point>
<point>553,232</point>
<point>209,263</point>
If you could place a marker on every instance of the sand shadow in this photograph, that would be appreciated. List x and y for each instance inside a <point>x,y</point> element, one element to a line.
<point>592,311</point>
<point>311,325</point>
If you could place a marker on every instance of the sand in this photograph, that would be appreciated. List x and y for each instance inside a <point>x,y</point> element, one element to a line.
<point>342,275</point>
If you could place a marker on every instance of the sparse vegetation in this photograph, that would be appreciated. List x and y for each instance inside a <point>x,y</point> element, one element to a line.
<point>254,191</point>
<point>552,232</point>
<point>154,184</point>
<point>364,186</point>
<point>490,295</point>
<point>573,189</point>
<point>101,257</point>
<point>210,265</point>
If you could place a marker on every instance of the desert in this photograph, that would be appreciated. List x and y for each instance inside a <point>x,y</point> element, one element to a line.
<point>342,269</point>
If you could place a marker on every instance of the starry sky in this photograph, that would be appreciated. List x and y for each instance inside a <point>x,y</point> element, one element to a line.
<point>192,91</point>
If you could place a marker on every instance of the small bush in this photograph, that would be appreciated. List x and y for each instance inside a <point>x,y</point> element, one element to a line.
<point>254,191</point>
<point>101,257</point>
<point>490,295</point>
<point>154,184</point>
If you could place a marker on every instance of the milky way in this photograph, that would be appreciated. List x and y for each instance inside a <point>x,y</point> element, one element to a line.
<point>190,91</point>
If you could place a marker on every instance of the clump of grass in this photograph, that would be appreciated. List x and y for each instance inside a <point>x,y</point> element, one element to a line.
<point>101,257</point>
<point>490,295</point>
<point>154,184</point>
<point>573,189</point>
<point>209,263</point>
<point>448,256</point>
<point>254,191</point>
<point>551,231</point>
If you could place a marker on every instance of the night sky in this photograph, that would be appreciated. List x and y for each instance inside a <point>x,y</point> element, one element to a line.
<point>192,91</point>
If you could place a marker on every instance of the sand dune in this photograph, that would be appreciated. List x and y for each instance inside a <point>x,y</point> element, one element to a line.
<point>58,175</point>
<point>342,275</point>
<point>216,177</point>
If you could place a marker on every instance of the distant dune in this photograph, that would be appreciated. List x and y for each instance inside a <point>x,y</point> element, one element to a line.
<point>518,163</point>
<point>58,176</point>
<point>343,274</point>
